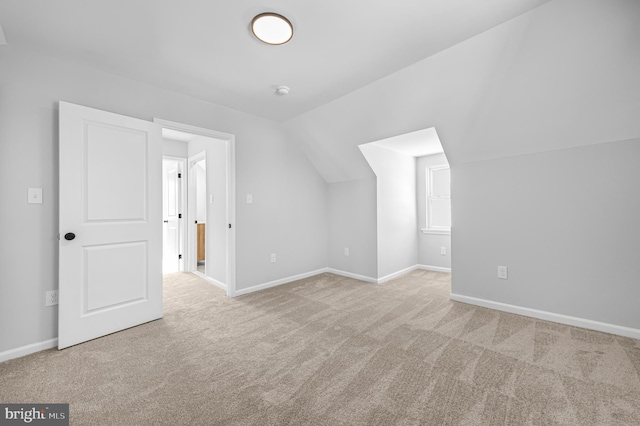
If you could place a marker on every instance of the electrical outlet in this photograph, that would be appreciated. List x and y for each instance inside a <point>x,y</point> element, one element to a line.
<point>443,251</point>
<point>346,251</point>
<point>502,272</point>
<point>273,258</point>
<point>51,298</point>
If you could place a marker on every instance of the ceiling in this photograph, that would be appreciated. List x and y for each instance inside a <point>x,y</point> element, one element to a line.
<point>177,135</point>
<point>204,48</point>
<point>414,144</point>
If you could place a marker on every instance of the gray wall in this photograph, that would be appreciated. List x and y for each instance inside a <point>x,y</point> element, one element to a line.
<point>396,208</point>
<point>288,215</point>
<point>353,224</point>
<point>429,244</point>
<point>564,222</point>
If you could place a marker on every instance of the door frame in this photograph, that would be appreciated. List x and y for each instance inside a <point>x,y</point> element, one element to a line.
<point>231,190</point>
<point>182,165</point>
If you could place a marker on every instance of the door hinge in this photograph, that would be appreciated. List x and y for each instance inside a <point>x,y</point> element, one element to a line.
<point>179,256</point>
<point>179,175</point>
<point>229,226</point>
<point>195,221</point>
<point>179,215</point>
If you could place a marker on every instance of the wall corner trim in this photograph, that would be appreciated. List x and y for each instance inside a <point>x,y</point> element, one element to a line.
<point>434,268</point>
<point>397,274</point>
<point>387,277</point>
<point>215,282</point>
<point>352,275</point>
<point>28,349</point>
<point>550,316</point>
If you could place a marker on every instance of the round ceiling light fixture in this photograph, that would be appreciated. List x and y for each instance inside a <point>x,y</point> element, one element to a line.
<point>272,28</point>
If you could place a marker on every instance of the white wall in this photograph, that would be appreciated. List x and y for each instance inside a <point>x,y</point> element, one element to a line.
<point>429,244</point>
<point>288,215</point>
<point>564,222</point>
<point>396,208</point>
<point>352,208</point>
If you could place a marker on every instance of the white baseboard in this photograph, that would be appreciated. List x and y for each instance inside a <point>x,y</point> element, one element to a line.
<point>434,268</point>
<point>28,349</point>
<point>364,278</point>
<point>217,283</point>
<point>550,316</point>
<point>397,274</point>
<point>352,275</point>
<point>278,282</point>
<point>390,276</point>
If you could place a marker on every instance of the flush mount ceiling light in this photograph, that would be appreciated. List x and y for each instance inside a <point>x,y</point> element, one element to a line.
<point>272,28</point>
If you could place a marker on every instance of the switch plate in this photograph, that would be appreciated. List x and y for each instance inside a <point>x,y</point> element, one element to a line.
<point>34,196</point>
<point>210,198</point>
<point>443,251</point>
<point>51,298</point>
<point>346,251</point>
<point>249,199</point>
<point>502,272</point>
<point>273,258</point>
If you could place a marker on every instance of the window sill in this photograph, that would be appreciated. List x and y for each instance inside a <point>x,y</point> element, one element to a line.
<point>436,231</point>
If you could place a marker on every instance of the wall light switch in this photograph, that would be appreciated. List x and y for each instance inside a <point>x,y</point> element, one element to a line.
<point>346,251</point>
<point>273,258</point>
<point>249,199</point>
<point>443,251</point>
<point>34,196</point>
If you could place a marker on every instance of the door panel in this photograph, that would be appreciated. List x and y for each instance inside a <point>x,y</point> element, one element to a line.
<point>110,198</point>
<point>107,286</point>
<point>116,170</point>
<point>171,204</point>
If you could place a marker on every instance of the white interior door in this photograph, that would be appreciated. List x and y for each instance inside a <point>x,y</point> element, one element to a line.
<point>171,212</point>
<point>110,270</point>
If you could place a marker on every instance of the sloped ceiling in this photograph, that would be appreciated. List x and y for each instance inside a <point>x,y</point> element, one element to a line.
<point>563,75</point>
<point>205,49</point>
<point>414,144</point>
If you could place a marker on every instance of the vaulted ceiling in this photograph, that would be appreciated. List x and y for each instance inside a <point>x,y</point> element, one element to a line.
<point>204,48</point>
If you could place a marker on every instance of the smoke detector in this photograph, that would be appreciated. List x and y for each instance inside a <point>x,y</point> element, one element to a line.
<point>282,90</point>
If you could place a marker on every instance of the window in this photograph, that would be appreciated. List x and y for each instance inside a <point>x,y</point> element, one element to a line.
<point>438,200</point>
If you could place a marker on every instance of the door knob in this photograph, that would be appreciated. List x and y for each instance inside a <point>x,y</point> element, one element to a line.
<point>166,221</point>
<point>69,236</point>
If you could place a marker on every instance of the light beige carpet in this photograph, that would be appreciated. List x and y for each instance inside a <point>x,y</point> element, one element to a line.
<point>330,350</point>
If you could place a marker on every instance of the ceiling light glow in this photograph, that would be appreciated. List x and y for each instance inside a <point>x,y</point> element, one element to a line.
<point>272,28</point>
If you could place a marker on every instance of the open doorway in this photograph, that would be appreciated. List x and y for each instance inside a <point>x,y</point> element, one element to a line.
<point>207,240</point>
